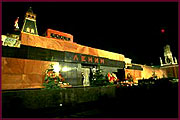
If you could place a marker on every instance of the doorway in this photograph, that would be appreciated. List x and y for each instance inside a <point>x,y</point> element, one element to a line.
<point>86,72</point>
<point>121,74</point>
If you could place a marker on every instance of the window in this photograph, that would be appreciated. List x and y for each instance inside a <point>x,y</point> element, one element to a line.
<point>65,38</point>
<point>62,37</point>
<point>52,35</point>
<point>59,37</point>
<point>27,29</point>
<point>32,30</point>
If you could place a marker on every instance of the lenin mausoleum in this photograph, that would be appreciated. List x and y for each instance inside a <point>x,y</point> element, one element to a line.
<point>26,56</point>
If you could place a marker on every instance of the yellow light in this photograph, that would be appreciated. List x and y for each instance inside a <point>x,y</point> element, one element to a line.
<point>65,69</point>
<point>56,67</point>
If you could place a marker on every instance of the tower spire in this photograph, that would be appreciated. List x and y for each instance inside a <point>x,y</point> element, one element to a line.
<point>30,10</point>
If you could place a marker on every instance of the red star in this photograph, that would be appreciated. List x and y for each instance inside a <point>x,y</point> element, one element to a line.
<point>162,30</point>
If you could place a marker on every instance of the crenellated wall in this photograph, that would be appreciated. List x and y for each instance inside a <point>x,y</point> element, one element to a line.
<point>148,71</point>
<point>172,70</point>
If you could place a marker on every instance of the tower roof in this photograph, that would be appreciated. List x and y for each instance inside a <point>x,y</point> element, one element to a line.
<point>30,10</point>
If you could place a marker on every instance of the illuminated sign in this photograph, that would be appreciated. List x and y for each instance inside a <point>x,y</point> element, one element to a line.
<point>88,59</point>
<point>94,60</point>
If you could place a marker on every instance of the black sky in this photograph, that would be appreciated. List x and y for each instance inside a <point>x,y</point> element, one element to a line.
<point>132,29</point>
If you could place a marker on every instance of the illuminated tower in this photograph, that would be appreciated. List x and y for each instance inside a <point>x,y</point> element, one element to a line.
<point>30,23</point>
<point>167,51</point>
<point>168,55</point>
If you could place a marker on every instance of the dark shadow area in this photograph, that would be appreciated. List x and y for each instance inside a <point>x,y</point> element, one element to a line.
<point>130,102</point>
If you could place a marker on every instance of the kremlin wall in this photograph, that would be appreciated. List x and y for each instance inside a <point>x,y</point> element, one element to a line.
<point>25,61</point>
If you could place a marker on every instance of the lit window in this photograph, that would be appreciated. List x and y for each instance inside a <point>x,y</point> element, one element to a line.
<point>27,29</point>
<point>32,30</point>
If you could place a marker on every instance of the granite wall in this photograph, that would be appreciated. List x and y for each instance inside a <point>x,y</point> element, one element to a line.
<point>26,73</point>
<point>36,99</point>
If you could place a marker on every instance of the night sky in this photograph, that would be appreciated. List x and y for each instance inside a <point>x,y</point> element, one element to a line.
<point>132,29</point>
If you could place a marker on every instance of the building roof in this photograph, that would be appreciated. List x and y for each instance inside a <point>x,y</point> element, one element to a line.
<point>60,45</point>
